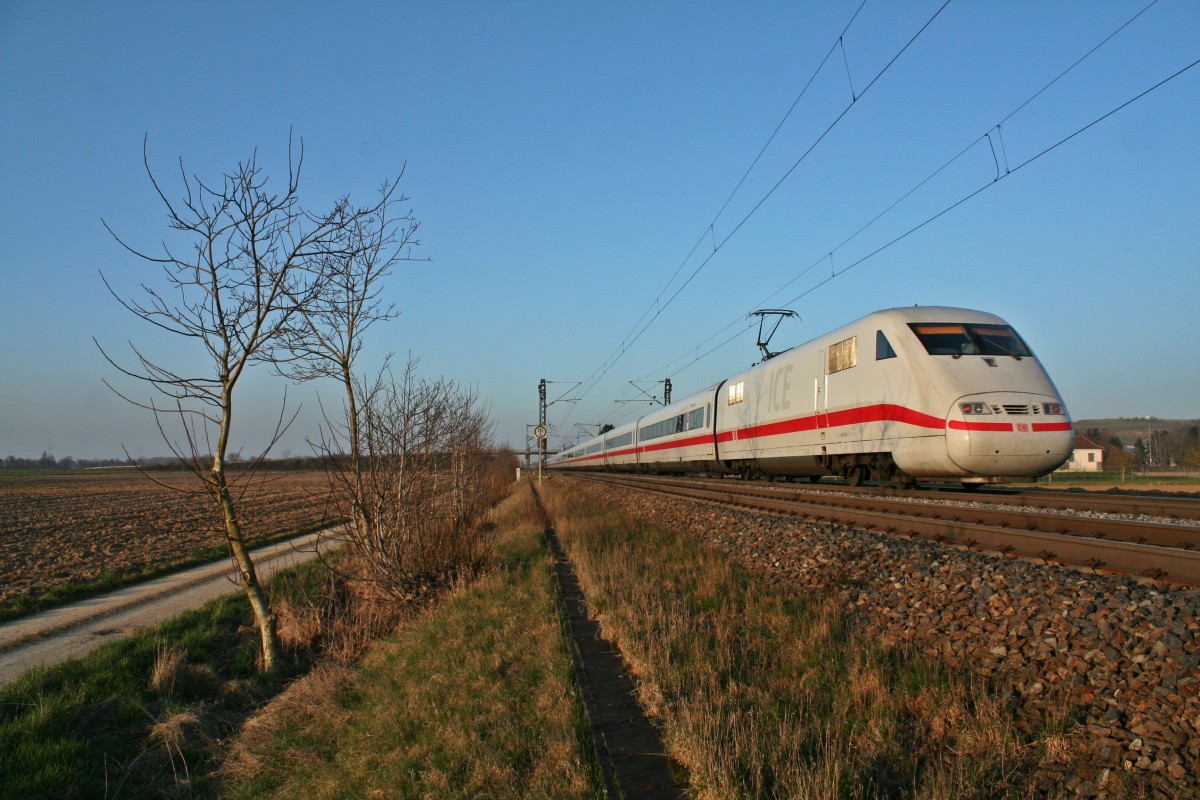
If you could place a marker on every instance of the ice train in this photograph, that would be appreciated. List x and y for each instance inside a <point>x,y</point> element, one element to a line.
<point>905,394</point>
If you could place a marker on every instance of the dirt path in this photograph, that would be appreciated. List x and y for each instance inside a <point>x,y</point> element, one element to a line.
<point>73,631</point>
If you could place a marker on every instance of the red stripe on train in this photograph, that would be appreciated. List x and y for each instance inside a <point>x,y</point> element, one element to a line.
<point>955,425</point>
<point>695,440</point>
<point>883,412</point>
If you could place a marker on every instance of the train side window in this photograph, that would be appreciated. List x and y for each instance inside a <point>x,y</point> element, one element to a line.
<point>883,348</point>
<point>620,441</point>
<point>843,355</point>
<point>737,392</point>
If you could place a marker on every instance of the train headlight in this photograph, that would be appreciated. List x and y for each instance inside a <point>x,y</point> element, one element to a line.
<point>974,408</point>
<point>1053,408</point>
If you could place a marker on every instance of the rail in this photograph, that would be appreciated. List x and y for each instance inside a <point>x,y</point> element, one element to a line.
<point>1152,550</point>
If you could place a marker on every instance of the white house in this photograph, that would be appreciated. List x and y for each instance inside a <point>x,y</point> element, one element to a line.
<point>1086,457</point>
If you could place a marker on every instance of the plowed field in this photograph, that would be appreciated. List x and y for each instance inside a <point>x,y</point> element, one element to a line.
<point>63,528</point>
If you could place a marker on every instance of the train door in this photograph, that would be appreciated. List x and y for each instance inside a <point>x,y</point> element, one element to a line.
<point>712,420</point>
<point>821,393</point>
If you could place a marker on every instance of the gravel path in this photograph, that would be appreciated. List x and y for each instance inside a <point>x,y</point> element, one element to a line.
<point>73,631</point>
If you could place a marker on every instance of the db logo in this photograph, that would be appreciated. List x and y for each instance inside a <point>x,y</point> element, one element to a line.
<point>1022,427</point>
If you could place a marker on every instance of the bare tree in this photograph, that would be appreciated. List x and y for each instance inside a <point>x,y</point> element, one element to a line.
<point>428,474</point>
<point>232,292</point>
<point>333,320</point>
<point>406,459</point>
<point>1118,458</point>
<point>1191,458</point>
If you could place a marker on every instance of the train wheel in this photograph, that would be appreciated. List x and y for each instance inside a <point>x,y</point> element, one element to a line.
<point>856,475</point>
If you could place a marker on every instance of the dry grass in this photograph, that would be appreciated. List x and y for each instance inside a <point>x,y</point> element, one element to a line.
<point>308,702</point>
<point>179,734</point>
<point>298,624</point>
<point>762,695</point>
<point>172,675</point>
<point>348,614</point>
<point>169,666</point>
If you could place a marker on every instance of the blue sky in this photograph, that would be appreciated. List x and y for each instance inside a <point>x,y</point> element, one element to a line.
<point>565,158</point>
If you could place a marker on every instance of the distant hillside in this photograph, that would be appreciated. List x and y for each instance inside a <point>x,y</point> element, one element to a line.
<point>1132,427</point>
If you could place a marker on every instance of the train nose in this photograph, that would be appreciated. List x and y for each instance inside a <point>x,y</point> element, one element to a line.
<point>1009,434</point>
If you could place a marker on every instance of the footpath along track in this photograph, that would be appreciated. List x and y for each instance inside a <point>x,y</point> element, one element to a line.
<point>633,760</point>
<point>1161,550</point>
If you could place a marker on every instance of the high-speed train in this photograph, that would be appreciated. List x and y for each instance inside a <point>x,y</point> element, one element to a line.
<point>901,395</point>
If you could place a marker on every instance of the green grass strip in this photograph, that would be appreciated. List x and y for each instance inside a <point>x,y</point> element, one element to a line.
<point>106,725</point>
<point>474,700</point>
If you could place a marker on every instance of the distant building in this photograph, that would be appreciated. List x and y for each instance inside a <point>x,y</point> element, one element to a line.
<point>1086,457</point>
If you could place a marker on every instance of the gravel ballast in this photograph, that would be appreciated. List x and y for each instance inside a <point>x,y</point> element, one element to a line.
<point>1124,655</point>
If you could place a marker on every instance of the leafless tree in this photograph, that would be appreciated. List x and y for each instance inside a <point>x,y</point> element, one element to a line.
<point>407,459</point>
<point>1191,458</point>
<point>342,300</point>
<point>231,292</point>
<point>1118,458</point>
<point>428,474</point>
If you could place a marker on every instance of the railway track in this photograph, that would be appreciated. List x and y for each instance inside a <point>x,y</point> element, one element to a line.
<point>1183,508</point>
<point>1150,549</point>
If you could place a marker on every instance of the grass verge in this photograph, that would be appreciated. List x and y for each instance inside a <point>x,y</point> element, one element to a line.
<point>474,699</point>
<point>145,716</point>
<point>764,695</point>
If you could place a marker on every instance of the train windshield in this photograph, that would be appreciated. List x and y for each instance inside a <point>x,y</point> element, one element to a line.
<point>955,339</point>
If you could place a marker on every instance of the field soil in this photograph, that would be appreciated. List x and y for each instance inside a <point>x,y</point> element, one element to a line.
<point>59,528</point>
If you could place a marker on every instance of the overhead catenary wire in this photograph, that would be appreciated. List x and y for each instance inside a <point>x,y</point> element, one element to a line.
<point>947,209</point>
<point>993,182</point>
<point>710,230</point>
<point>657,307</point>
<point>974,143</point>
<point>746,218</point>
